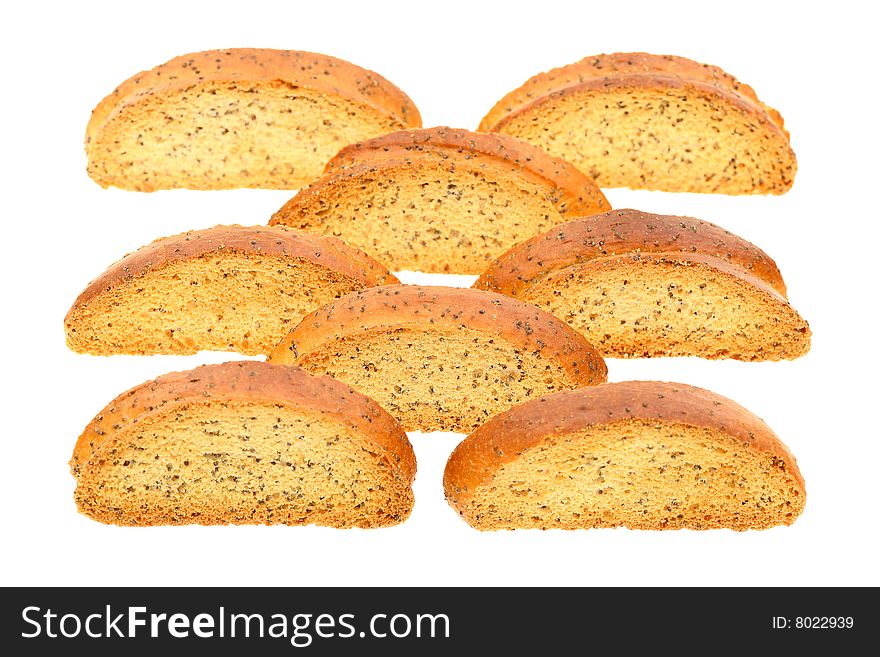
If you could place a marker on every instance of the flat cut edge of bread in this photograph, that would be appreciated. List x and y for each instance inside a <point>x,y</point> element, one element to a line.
<point>257,65</point>
<point>503,438</point>
<point>616,233</point>
<point>389,307</point>
<point>248,381</point>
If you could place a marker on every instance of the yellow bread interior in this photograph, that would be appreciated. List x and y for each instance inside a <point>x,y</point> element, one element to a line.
<point>431,218</point>
<point>633,308</point>
<point>224,135</point>
<point>241,463</point>
<point>639,474</point>
<point>442,380</point>
<point>223,302</point>
<point>673,139</point>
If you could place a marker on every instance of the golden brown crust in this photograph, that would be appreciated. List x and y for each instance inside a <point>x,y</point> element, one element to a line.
<point>629,70</point>
<point>278,241</point>
<point>622,232</point>
<point>296,68</point>
<point>249,381</point>
<point>577,192</point>
<point>396,306</point>
<point>503,439</point>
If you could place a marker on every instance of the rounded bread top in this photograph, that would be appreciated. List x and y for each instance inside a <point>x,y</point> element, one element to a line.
<point>579,193</point>
<point>277,241</point>
<point>506,436</point>
<point>392,307</point>
<point>296,68</point>
<point>248,381</point>
<point>621,232</point>
<point>616,69</point>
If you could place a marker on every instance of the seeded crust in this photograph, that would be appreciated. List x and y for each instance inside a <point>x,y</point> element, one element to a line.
<point>136,431</point>
<point>440,358</point>
<point>601,433</point>
<point>629,280</point>
<point>345,91</point>
<point>623,231</point>
<point>441,199</point>
<point>705,99</point>
<point>576,192</point>
<point>224,288</point>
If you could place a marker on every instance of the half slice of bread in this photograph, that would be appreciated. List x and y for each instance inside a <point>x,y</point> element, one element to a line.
<point>639,454</point>
<point>641,285</point>
<point>652,122</point>
<point>245,117</point>
<point>244,443</point>
<point>227,288</point>
<point>440,199</point>
<point>440,358</point>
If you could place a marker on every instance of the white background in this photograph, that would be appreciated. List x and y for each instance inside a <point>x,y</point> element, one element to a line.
<point>455,60</point>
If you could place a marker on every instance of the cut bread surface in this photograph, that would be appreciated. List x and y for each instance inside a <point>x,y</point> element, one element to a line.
<point>441,358</point>
<point>641,285</point>
<point>227,288</point>
<point>244,117</point>
<point>244,443</point>
<point>637,454</point>
<point>652,122</point>
<point>441,199</point>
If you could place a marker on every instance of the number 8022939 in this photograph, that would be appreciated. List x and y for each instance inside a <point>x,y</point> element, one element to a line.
<point>814,622</point>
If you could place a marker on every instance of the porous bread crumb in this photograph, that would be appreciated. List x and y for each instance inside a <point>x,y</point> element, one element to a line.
<point>641,285</point>
<point>228,288</point>
<point>244,443</point>
<point>437,380</point>
<point>652,122</point>
<point>241,464</point>
<point>637,454</point>
<point>640,475</point>
<point>439,199</point>
<point>641,307</point>
<point>238,118</point>
<point>441,358</point>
